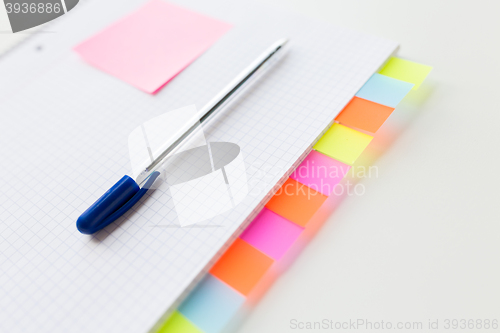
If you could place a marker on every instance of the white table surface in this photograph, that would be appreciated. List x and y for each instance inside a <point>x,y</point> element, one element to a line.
<point>423,242</point>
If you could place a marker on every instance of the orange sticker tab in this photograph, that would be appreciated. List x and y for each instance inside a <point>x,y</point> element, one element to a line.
<point>241,266</point>
<point>296,202</point>
<point>364,115</point>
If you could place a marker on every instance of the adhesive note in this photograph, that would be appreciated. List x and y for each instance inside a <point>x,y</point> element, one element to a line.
<point>296,202</point>
<point>177,323</point>
<point>241,266</point>
<point>320,172</point>
<point>343,143</point>
<point>384,90</point>
<point>365,115</point>
<point>152,45</point>
<point>271,234</point>
<point>406,70</point>
<point>211,304</point>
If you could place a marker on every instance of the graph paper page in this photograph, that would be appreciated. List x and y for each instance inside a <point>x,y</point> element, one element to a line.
<point>64,132</point>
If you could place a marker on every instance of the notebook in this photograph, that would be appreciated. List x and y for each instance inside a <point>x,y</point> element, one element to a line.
<point>64,142</point>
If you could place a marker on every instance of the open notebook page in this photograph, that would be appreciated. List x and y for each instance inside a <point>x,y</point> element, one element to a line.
<point>64,134</point>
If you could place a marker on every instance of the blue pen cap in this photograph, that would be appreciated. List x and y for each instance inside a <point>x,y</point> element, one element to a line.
<point>91,220</point>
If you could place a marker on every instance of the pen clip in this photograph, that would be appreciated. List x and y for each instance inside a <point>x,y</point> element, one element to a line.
<point>113,204</point>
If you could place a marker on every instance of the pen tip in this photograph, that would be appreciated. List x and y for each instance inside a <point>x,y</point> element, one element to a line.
<point>283,41</point>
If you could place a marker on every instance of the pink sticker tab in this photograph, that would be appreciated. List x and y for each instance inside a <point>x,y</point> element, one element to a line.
<point>271,234</point>
<point>152,45</point>
<point>320,172</point>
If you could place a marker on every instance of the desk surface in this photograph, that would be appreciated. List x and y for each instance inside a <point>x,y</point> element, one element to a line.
<point>423,241</point>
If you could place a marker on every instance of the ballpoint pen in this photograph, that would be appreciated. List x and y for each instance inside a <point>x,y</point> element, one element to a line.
<point>127,191</point>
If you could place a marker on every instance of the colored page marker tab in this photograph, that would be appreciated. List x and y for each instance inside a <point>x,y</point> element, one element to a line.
<point>152,45</point>
<point>320,172</point>
<point>406,70</point>
<point>241,266</point>
<point>384,90</point>
<point>343,143</point>
<point>271,234</point>
<point>364,115</point>
<point>211,305</point>
<point>177,323</point>
<point>296,202</point>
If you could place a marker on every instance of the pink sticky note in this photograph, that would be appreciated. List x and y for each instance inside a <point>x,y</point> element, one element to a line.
<point>152,45</point>
<point>320,172</point>
<point>271,234</point>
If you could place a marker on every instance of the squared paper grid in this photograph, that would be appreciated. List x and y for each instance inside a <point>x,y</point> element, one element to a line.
<point>65,127</point>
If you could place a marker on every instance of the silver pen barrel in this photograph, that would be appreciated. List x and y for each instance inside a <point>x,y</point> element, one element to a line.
<point>235,88</point>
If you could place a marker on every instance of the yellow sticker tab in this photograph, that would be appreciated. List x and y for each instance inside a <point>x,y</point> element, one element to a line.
<point>406,70</point>
<point>343,143</point>
<point>177,323</point>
